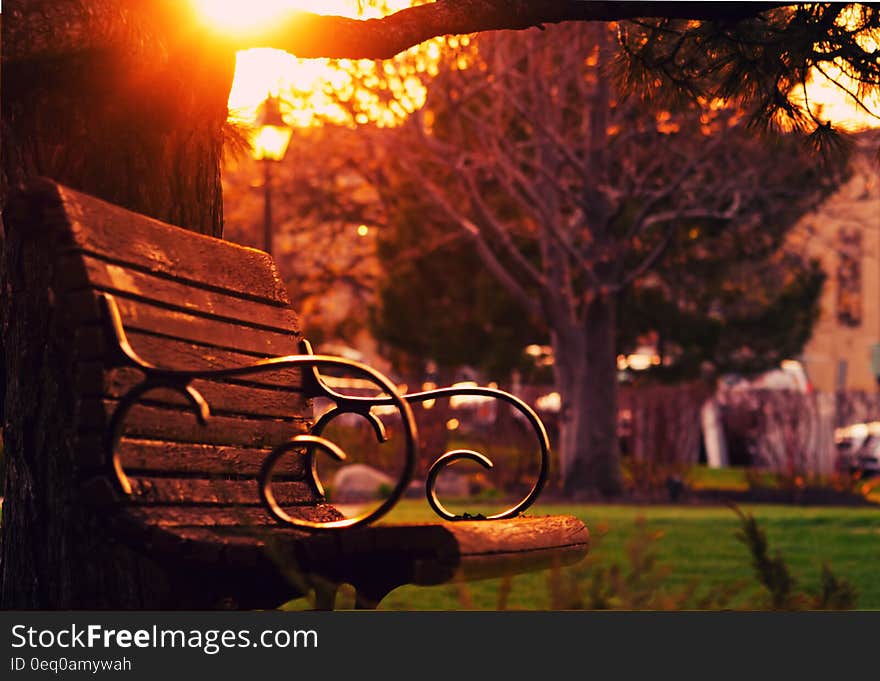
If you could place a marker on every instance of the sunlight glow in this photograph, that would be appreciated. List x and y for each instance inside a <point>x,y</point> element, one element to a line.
<point>270,143</point>
<point>829,103</point>
<point>829,83</point>
<point>318,90</point>
<point>243,16</point>
<point>323,90</point>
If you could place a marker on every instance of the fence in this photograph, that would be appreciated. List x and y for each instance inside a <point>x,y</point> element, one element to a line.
<point>787,431</point>
<point>779,430</point>
<point>661,424</point>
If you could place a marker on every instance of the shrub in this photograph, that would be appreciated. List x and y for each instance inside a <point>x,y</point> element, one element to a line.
<point>772,572</point>
<point>641,583</point>
<point>649,479</point>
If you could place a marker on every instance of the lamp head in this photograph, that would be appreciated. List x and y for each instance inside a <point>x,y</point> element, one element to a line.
<point>273,133</point>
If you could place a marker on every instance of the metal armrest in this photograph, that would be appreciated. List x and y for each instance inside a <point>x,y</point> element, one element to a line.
<point>362,405</point>
<point>180,381</point>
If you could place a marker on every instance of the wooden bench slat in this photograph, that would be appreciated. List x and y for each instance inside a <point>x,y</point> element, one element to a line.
<point>169,425</point>
<point>223,398</point>
<point>184,491</point>
<point>184,459</point>
<point>79,271</point>
<point>492,549</point>
<point>441,552</point>
<point>102,228</point>
<point>224,517</point>
<point>220,333</point>
<point>519,535</point>
<point>91,347</point>
<point>200,459</point>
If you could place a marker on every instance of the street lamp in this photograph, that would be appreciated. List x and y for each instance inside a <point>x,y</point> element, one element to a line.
<point>270,145</point>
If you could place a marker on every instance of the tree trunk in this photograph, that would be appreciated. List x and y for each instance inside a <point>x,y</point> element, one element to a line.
<point>141,126</point>
<point>568,371</point>
<point>587,376</point>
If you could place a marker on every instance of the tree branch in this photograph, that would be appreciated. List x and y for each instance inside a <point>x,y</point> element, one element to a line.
<point>646,264</point>
<point>486,254</point>
<point>638,222</point>
<point>310,35</point>
<point>502,235</point>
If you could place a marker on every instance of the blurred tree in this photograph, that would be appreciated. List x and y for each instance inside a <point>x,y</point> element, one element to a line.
<point>571,194</point>
<point>708,279</point>
<point>709,304</point>
<point>721,310</point>
<point>359,253</point>
<point>437,301</point>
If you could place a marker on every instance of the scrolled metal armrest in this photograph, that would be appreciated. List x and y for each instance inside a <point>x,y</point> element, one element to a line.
<point>451,457</point>
<point>179,380</point>
<point>362,406</point>
<point>162,378</point>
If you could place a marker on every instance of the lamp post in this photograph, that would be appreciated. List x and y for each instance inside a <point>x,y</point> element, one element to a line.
<point>270,146</point>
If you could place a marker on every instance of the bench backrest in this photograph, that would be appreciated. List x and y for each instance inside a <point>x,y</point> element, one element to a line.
<point>187,301</point>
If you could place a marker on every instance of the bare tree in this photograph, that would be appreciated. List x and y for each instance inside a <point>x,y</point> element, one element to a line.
<point>570,194</point>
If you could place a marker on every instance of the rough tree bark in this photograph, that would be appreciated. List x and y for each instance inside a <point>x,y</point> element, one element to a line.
<point>137,122</point>
<point>586,376</point>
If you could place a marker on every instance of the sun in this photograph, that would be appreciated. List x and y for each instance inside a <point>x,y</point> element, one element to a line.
<point>243,16</point>
<point>238,16</point>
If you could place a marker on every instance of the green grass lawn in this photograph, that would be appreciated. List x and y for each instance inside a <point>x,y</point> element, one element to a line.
<point>696,543</point>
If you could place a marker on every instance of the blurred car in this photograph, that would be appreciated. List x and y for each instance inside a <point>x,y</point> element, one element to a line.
<point>790,375</point>
<point>858,447</point>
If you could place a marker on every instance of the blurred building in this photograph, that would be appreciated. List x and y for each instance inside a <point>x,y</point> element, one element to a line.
<point>843,233</point>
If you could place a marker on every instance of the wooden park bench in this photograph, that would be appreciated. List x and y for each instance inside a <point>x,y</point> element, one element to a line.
<point>173,387</point>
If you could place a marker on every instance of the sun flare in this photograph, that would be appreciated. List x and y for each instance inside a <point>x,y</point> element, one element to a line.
<point>242,16</point>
